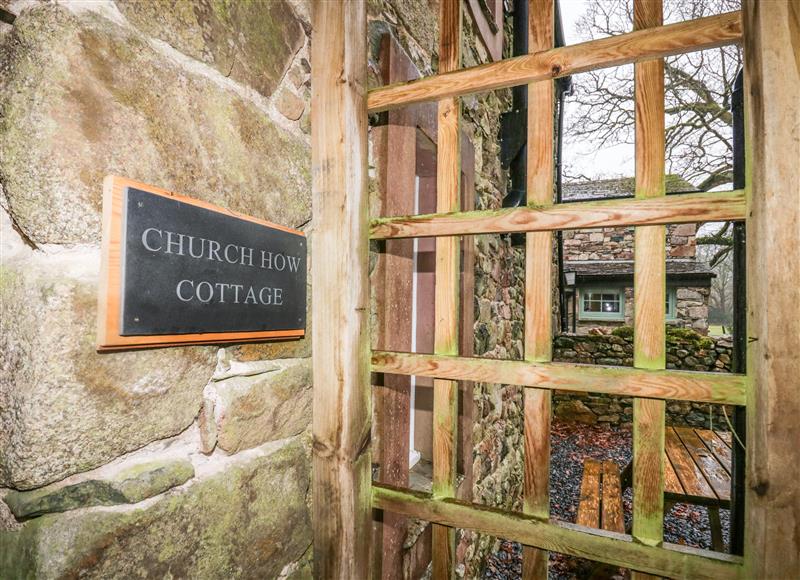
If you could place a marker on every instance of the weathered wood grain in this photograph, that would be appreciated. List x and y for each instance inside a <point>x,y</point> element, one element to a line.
<point>613,519</point>
<point>636,46</point>
<point>718,447</point>
<point>394,147</point>
<point>688,473</point>
<point>672,209</point>
<point>342,413</point>
<point>649,287</point>
<point>538,285</point>
<point>448,191</point>
<point>714,472</point>
<point>659,384</point>
<point>618,549</point>
<point>772,85</point>
<point>671,482</point>
<point>589,503</point>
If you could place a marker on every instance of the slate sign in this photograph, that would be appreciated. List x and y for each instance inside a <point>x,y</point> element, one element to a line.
<point>194,272</point>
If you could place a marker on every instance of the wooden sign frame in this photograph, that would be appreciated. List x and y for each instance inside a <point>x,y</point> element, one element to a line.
<point>110,287</point>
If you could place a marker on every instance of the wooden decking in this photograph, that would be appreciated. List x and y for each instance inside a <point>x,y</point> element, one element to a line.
<point>698,466</point>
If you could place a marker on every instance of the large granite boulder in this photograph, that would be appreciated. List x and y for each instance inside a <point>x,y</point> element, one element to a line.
<point>64,408</point>
<point>246,516</point>
<point>251,42</point>
<point>254,403</point>
<point>82,97</point>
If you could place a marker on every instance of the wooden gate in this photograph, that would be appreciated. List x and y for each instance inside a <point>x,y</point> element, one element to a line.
<point>344,495</point>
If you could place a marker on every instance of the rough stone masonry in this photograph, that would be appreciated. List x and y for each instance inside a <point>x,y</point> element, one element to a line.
<point>189,462</point>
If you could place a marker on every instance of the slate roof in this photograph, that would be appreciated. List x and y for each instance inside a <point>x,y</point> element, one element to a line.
<point>616,188</point>
<point>678,271</point>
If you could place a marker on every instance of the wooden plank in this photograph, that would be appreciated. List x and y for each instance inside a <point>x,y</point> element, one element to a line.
<point>448,190</point>
<point>699,34</point>
<point>342,413</point>
<point>714,444</point>
<point>600,545</point>
<point>726,437</point>
<point>649,284</point>
<point>658,384</point>
<point>613,519</point>
<point>772,85</point>
<point>715,474</point>
<point>672,209</point>
<point>466,324</point>
<point>589,505</point>
<point>690,476</point>
<point>671,482</point>
<point>394,147</point>
<point>538,285</point>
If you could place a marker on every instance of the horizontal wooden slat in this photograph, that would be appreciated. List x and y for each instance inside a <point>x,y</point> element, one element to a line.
<point>618,549</point>
<point>672,209</point>
<point>626,381</point>
<point>616,50</point>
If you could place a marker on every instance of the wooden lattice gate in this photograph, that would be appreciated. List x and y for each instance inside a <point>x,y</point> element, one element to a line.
<point>344,495</point>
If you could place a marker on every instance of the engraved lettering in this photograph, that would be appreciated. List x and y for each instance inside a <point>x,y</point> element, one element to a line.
<point>248,252</point>
<point>282,262</point>
<point>251,295</point>
<point>210,292</point>
<point>294,261</point>
<point>266,260</point>
<point>144,239</point>
<point>213,250</point>
<point>227,258</point>
<point>191,247</point>
<point>178,290</point>
<point>171,243</point>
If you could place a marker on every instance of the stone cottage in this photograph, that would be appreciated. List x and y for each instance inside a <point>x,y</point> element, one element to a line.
<point>598,267</point>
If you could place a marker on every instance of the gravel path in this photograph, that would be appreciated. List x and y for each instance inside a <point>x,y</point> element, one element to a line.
<point>571,445</point>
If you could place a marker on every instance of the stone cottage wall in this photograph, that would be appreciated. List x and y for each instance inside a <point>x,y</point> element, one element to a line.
<point>617,243</point>
<point>686,350</point>
<point>691,311</point>
<point>189,462</point>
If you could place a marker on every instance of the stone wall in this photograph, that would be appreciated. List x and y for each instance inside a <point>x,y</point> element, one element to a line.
<point>686,350</point>
<point>617,243</point>
<point>174,462</point>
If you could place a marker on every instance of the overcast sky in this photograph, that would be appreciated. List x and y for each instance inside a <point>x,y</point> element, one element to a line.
<point>581,158</point>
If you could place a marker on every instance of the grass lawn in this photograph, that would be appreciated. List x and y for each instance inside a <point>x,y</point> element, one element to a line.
<point>717,330</point>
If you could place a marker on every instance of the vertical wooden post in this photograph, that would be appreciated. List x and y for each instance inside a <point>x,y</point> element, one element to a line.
<point>649,289</point>
<point>340,296</point>
<point>538,286</point>
<point>448,190</point>
<point>772,86</point>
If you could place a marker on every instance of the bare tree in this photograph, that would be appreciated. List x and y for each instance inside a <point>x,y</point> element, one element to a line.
<point>721,298</point>
<point>698,89</point>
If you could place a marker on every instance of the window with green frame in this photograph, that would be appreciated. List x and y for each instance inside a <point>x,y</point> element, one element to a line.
<point>609,304</point>
<point>602,304</point>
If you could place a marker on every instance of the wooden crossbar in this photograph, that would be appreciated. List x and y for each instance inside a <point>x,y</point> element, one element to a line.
<point>538,286</point>
<point>699,34</point>
<point>649,288</point>
<point>672,209</point>
<point>447,289</point>
<point>617,549</point>
<point>718,388</point>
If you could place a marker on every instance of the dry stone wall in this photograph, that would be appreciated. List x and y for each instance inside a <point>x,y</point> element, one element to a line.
<point>175,462</point>
<point>686,350</point>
